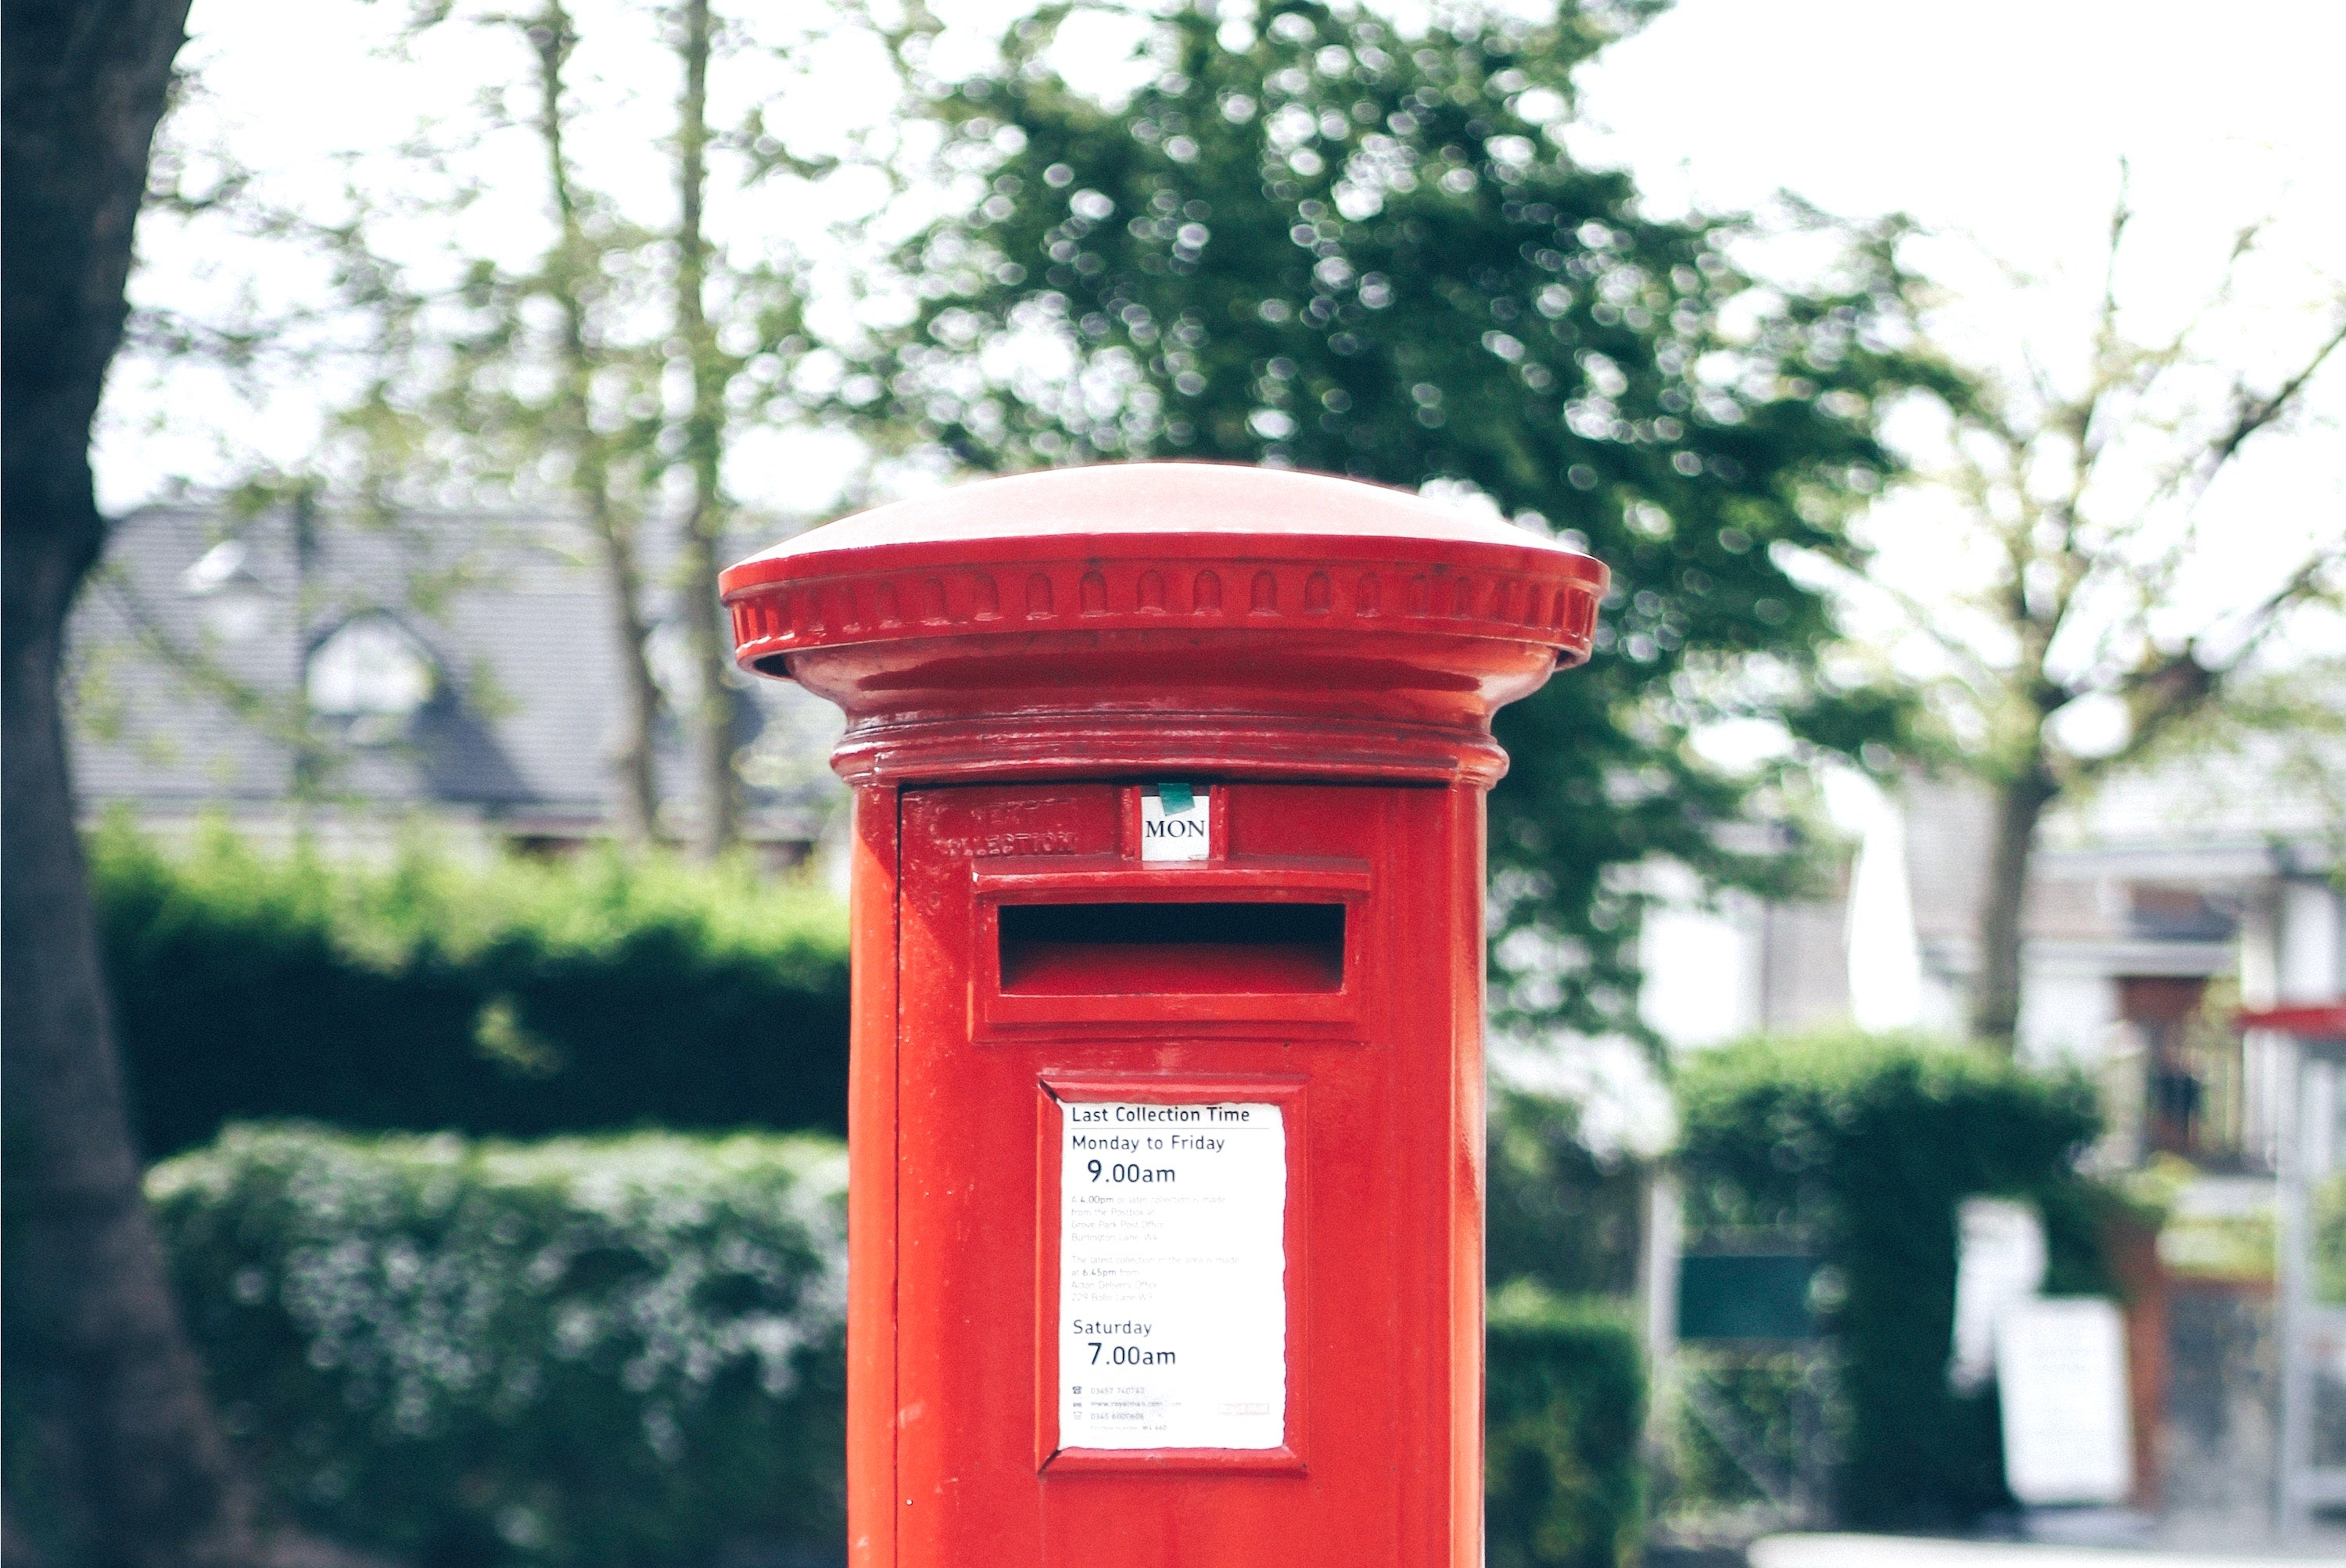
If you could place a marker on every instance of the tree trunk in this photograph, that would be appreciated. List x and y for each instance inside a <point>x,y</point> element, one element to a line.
<point>2020,804</point>
<point>130,1466</point>
<point>574,268</point>
<point>718,826</point>
<point>123,1429</point>
<point>638,695</point>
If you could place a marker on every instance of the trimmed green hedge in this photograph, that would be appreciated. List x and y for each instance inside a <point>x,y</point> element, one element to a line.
<point>627,1351</point>
<point>1870,1144</point>
<point>1564,1409</point>
<point>516,999</point>
<point>610,1351</point>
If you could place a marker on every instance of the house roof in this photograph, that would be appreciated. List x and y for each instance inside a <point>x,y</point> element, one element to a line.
<point>190,645</point>
<point>2154,860</point>
<point>2268,801</point>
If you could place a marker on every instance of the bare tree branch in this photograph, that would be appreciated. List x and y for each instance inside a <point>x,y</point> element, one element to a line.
<point>2087,563</point>
<point>2252,414</point>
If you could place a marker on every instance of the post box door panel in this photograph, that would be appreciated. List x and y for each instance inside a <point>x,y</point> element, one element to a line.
<point>1287,1004</point>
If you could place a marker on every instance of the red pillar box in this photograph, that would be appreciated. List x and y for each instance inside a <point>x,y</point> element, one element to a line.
<point>1165,1117</point>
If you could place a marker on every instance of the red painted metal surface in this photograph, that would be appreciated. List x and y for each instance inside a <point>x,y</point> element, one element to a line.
<point>1320,660</point>
<point>2306,1020</point>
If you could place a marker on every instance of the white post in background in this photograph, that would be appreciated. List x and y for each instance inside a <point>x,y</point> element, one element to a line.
<point>2304,1141</point>
<point>2308,962</point>
<point>2310,946</point>
<point>1657,1283</point>
<point>1885,959</point>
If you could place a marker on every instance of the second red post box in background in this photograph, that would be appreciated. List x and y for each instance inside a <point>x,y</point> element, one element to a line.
<point>1166,1114</point>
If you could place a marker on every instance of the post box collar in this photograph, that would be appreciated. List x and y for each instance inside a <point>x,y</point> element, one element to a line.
<point>1088,617</point>
<point>990,548</point>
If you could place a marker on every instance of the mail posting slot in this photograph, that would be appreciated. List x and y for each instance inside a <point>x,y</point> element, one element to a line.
<point>1165,1117</point>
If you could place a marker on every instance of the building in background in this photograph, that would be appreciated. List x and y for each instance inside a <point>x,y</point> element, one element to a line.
<point>355,677</point>
<point>1720,967</point>
<point>2160,907</point>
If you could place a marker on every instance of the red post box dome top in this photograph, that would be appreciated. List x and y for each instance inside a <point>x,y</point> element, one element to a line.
<point>1136,616</point>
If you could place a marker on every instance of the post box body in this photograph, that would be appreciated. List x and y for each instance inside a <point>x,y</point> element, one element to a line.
<point>1166,1108</point>
<point>1380,1082</point>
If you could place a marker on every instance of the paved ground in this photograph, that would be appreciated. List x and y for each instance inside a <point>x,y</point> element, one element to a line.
<point>1900,1552</point>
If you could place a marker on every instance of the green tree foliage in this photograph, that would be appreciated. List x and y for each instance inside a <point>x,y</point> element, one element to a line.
<point>561,370</point>
<point>1868,1144</point>
<point>1314,239</point>
<point>1555,1214</point>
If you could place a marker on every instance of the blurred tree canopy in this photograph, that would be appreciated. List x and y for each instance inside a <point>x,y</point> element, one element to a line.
<point>1310,239</point>
<point>2088,642</point>
<point>501,313</point>
<point>1557,1214</point>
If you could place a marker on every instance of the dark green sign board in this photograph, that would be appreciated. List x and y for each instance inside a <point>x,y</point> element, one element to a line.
<point>1746,1296</point>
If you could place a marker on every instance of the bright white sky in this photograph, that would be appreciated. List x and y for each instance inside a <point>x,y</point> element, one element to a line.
<point>2000,124</point>
<point>2001,118</point>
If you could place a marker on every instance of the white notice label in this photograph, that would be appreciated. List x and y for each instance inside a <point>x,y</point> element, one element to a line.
<point>2061,1380</point>
<point>1179,828</point>
<point>1172,1276</point>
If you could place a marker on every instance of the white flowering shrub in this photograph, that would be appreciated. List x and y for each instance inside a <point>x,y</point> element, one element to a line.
<point>611,1351</point>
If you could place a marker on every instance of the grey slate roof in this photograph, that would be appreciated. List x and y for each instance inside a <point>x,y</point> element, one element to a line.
<point>2164,853</point>
<point>184,676</point>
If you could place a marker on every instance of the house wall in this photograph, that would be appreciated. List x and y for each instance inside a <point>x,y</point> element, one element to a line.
<point>2068,1008</point>
<point>1702,974</point>
<point>2310,942</point>
<point>1740,965</point>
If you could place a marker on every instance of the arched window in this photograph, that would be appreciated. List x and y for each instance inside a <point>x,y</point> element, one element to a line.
<point>372,672</point>
<point>235,604</point>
